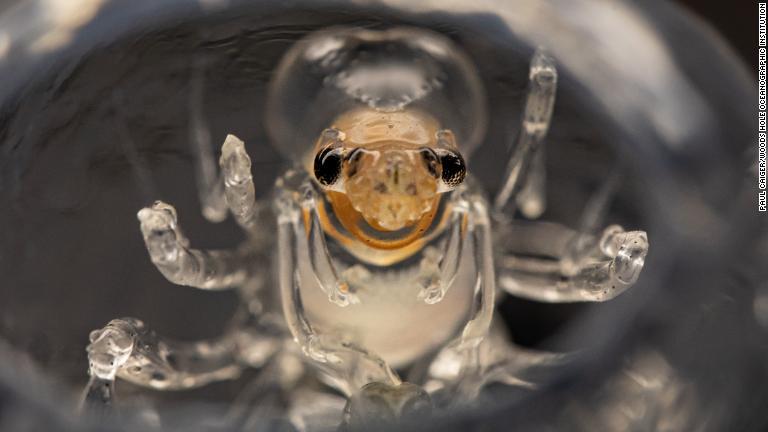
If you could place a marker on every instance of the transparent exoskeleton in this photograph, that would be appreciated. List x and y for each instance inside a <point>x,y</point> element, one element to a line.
<point>384,245</point>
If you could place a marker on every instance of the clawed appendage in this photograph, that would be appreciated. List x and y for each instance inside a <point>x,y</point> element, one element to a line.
<point>433,288</point>
<point>437,269</point>
<point>627,251</point>
<point>127,349</point>
<point>169,251</point>
<point>108,351</point>
<point>239,191</point>
<point>590,269</point>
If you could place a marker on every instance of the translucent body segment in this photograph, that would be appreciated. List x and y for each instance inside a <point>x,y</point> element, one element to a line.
<point>590,269</point>
<point>498,361</point>
<point>336,70</point>
<point>480,321</point>
<point>170,252</point>
<point>209,186</point>
<point>537,117</point>
<point>378,405</point>
<point>479,325</point>
<point>239,191</point>
<point>522,367</point>
<point>330,350</point>
<point>346,366</point>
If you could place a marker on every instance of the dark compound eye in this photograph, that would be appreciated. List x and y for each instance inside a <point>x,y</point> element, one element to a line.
<point>454,169</point>
<point>327,166</point>
<point>430,160</point>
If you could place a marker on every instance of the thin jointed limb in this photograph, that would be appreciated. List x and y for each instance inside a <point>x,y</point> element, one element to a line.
<point>559,264</point>
<point>462,359</point>
<point>170,252</point>
<point>590,269</point>
<point>537,116</point>
<point>498,361</point>
<point>239,190</point>
<point>127,349</point>
<point>348,366</point>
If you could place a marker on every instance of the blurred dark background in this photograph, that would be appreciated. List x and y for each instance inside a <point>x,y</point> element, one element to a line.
<point>736,21</point>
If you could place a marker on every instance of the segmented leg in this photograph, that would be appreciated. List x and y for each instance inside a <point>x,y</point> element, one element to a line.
<point>553,263</point>
<point>498,361</point>
<point>591,269</point>
<point>346,365</point>
<point>438,269</point>
<point>536,119</point>
<point>125,348</point>
<point>296,193</point>
<point>170,252</point>
<point>238,184</point>
<point>463,355</point>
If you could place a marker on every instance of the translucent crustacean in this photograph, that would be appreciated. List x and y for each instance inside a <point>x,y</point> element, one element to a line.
<point>384,252</point>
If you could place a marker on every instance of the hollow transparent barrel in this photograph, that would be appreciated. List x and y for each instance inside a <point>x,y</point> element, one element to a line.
<point>335,71</point>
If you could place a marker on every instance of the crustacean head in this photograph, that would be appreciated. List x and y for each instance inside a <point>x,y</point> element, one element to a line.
<point>391,166</point>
